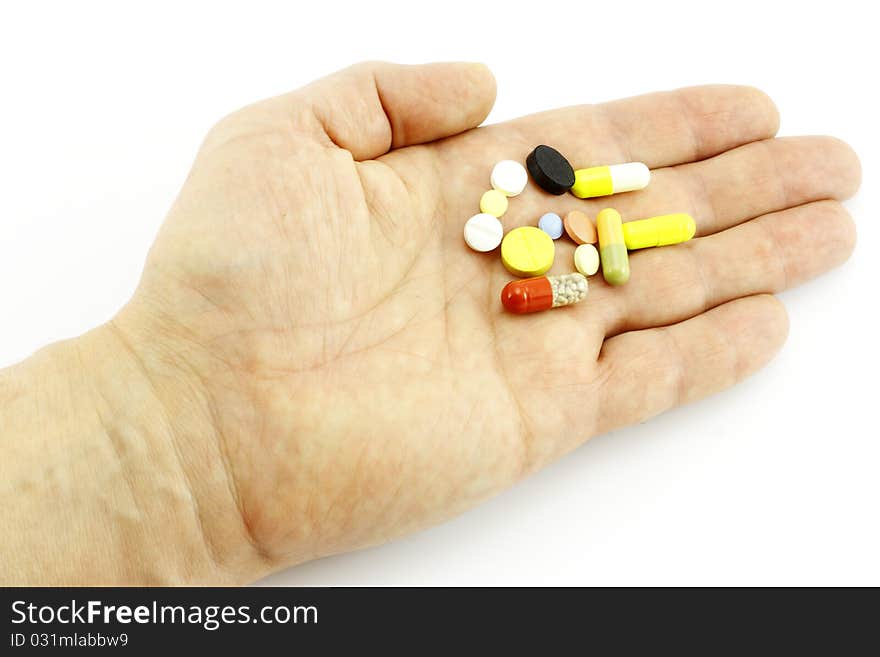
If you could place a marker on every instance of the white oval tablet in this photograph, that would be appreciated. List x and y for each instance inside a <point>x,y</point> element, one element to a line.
<point>483,232</point>
<point>586,259</point>
<point>509,177</point>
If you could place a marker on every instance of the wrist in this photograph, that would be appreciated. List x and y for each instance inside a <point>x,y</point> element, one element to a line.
<point>113,475</point>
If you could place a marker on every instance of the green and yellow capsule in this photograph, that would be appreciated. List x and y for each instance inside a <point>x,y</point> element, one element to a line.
<point>612,247</point>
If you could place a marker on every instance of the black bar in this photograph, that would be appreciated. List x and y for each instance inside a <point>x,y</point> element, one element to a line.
<point>425,620</point>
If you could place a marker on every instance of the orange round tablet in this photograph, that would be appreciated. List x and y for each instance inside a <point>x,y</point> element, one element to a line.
<point>580,228</point>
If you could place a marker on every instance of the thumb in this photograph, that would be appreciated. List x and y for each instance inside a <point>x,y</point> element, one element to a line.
<point>370,108</point>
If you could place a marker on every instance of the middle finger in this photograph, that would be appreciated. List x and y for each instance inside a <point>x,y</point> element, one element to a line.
<point>725,190</point>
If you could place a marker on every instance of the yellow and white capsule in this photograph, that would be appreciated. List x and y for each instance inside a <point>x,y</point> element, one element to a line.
<point>613,179</point>
<point>659,231</point>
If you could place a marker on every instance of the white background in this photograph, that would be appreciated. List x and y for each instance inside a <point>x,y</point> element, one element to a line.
<point>103,105</point>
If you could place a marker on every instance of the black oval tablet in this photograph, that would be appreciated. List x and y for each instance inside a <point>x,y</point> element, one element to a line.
<point>550,170</point>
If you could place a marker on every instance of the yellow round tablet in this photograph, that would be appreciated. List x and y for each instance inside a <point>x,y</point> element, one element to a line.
<point>527,251</point>
<point>493,202</point>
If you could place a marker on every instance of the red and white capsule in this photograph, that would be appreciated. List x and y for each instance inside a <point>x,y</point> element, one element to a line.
<point>530,295</point>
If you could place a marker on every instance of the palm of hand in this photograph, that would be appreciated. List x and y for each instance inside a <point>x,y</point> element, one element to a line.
<point>361,376</point>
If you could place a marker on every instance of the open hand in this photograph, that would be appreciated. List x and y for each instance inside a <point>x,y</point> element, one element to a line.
<point>335,362</point>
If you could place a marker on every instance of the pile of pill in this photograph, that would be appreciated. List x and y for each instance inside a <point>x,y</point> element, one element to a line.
<point>529,251</point>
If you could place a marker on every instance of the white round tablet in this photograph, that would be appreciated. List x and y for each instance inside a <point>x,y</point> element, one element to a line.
<point>586,259</point>
<point>509,177</point>
<point>483,232</point>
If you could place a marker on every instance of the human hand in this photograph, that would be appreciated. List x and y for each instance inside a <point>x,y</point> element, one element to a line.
<point>335,363</point>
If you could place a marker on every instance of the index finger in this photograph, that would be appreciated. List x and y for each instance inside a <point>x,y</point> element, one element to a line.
<point>660,129</point>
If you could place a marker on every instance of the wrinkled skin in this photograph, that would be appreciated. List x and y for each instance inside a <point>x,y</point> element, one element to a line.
<point>335,363</point>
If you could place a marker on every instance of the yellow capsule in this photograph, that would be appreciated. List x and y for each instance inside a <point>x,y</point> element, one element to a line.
<point>527,251</point>
<point>612,248</point>
<point>614,179</point>
<point>595,181</point>
<point>659,231</point>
